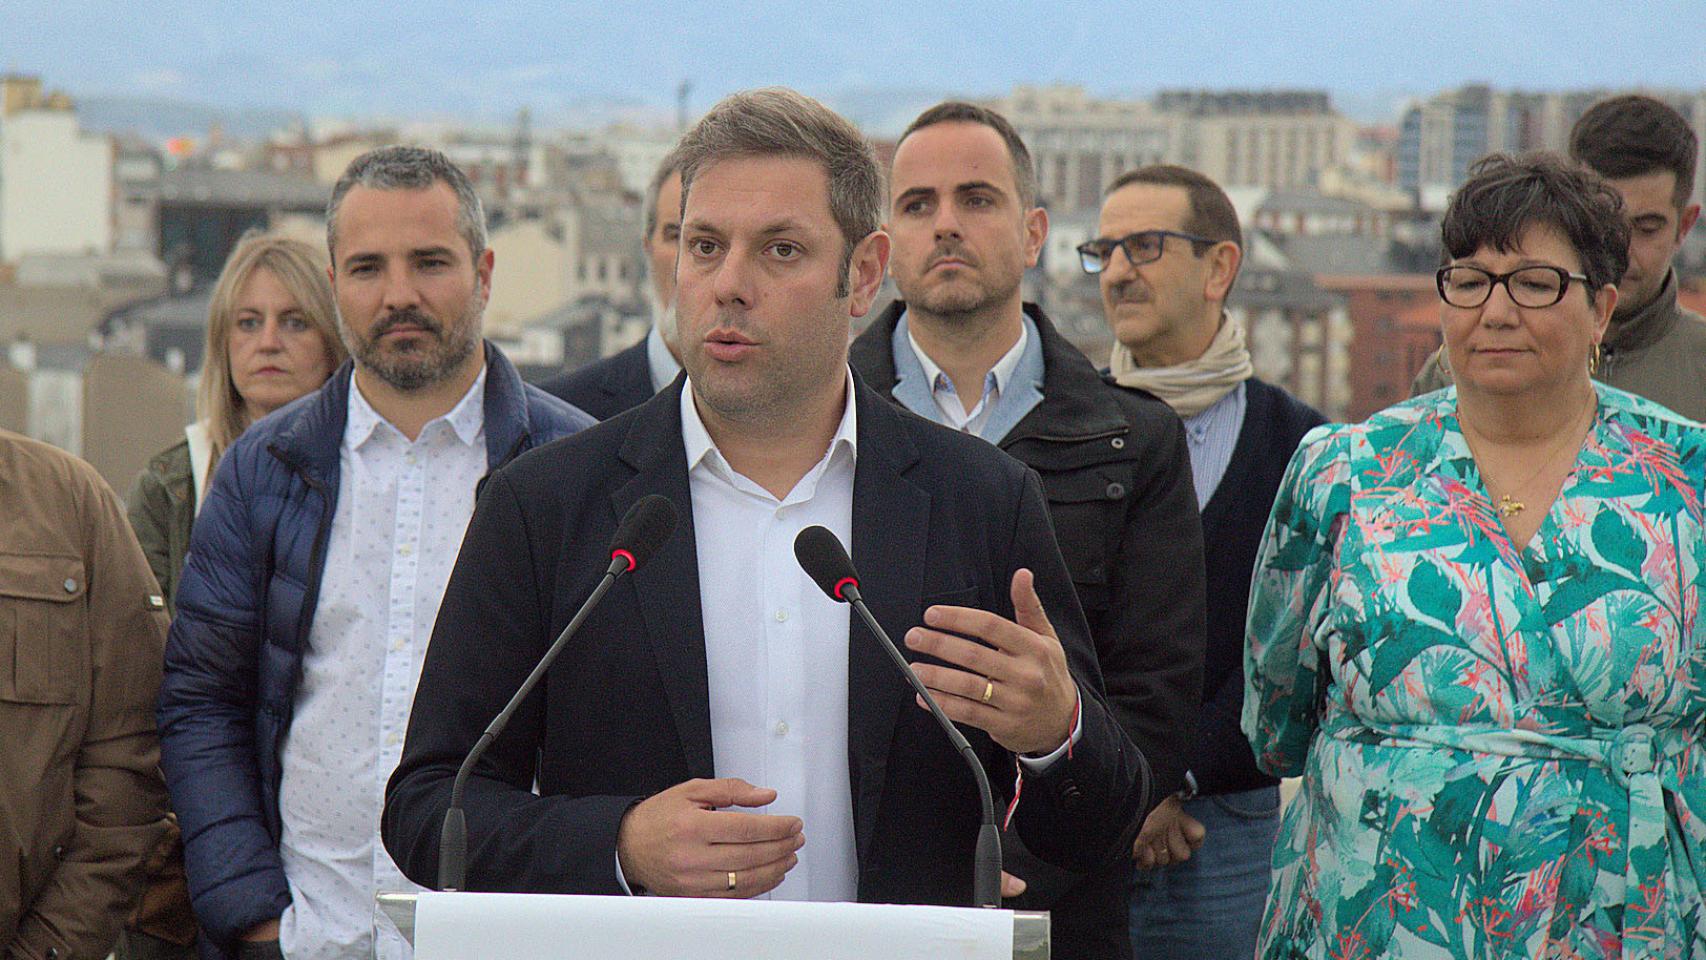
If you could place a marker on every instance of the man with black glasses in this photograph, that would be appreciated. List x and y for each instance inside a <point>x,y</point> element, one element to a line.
<point>1654,347</point>
<point>964,350</point>
<point>1167,252</point>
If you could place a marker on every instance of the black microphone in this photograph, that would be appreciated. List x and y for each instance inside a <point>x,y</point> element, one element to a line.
<point>644,528</point>
<point>823,559</point>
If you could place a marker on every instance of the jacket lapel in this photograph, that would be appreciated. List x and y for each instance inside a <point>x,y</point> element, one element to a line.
<point>667,588</point>
<point>891,523</point>
<point>1076,403</point>
<point>630,375</point>
<point>505,409</point>
<point>872,352</point>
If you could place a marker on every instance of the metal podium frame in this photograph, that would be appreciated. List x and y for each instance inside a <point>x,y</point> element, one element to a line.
<point>1030,929</point>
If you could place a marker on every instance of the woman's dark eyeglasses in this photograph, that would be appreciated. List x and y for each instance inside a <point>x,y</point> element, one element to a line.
<point>1533,287</point>
<point>1144,246</point>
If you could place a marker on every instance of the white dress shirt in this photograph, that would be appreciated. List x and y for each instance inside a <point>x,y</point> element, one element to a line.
<point>662,364</point>
<point>996,381</point>
<point>401,512</point>
<point>776,647</point>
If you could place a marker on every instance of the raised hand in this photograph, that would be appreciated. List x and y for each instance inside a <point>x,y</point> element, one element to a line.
<point>1014,685</point>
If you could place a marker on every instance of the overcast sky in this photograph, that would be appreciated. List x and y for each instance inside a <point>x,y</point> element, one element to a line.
<point>444,58</point>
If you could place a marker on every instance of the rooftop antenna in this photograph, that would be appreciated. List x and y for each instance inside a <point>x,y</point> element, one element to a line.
<point>682,90</point>
<point>523,146</point>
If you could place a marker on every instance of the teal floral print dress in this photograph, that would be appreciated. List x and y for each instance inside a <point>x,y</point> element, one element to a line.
<point>1500,746</point>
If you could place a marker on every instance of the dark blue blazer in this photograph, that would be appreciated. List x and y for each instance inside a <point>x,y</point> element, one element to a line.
<point>606,387</point>
<point>938,517</point>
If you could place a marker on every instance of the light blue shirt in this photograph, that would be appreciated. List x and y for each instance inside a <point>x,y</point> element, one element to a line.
<point>1012,389</point>
<point>1211,436</point>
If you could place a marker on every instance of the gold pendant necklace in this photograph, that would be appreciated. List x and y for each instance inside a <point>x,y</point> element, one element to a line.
<point>1509,506</point>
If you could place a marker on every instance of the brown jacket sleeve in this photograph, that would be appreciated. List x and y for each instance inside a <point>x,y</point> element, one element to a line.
<point>119,796</point>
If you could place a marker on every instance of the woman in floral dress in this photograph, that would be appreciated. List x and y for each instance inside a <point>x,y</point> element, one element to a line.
<point>1473,628</point>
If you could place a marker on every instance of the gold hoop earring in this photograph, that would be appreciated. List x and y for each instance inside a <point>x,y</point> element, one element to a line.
<point>1593,361</point>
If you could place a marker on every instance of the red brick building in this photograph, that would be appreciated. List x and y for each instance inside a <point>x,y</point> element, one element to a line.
<point>1394,327</point>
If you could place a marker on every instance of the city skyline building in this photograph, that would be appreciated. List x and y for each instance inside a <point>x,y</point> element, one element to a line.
<point>1256,139</point>
<point>41,144</point>
<point>124,228</point>
<point>1440,137</point>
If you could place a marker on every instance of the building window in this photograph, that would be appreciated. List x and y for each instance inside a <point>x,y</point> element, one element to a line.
<point>1089,182</point>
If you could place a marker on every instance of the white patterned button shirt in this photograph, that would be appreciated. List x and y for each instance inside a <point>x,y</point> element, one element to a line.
<point>402,510</point>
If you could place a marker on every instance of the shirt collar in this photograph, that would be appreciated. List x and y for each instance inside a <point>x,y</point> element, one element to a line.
<point>702,450</point>
<point>663,364</point>
<point>467,419</point>
<point>1000,375</point>
<point>1649,324</point>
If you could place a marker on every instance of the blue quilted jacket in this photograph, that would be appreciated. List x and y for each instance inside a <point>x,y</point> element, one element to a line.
<point>245,603</point>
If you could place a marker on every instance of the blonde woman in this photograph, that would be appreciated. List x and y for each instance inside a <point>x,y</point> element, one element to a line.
<point>272,336</point>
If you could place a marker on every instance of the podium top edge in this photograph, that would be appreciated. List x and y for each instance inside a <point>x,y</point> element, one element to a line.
<point>1030,927</point>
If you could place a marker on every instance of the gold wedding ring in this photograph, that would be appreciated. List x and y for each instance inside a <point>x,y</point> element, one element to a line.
<point>988,689</point>
<point>731,879</point>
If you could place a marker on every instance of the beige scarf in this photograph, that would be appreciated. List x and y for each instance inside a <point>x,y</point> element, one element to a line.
<point>1190,388</point>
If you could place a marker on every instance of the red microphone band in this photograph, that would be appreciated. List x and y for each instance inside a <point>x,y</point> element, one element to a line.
<point>843,582</point>
<point>626,556</point>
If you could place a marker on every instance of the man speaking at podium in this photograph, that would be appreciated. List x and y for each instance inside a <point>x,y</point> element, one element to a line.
<point>717,727</point>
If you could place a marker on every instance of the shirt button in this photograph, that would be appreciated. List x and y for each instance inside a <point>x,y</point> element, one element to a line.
<point>782,729</point>
<point>70,585</point>
<point>390,739</point>
<point>1118,443</point>
<point>781,616</point>
<point>404,550</point>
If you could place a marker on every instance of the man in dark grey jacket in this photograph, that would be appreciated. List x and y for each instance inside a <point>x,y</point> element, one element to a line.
<point>1654,347</point>
<point>965,351</point>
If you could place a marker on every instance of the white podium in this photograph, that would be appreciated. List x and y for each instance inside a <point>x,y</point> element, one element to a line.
<point>456,925</point>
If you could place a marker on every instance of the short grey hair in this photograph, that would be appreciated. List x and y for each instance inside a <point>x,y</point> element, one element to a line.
<point>778,122</point>
<point>959,111</point>
<point>410,168</point>
<point>668,167</point>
